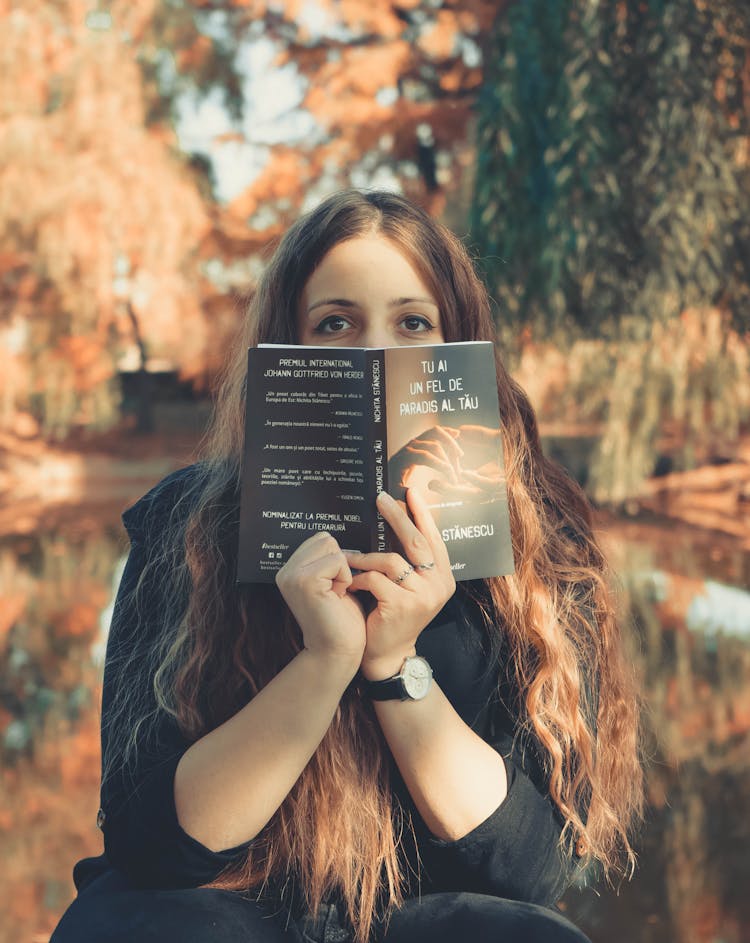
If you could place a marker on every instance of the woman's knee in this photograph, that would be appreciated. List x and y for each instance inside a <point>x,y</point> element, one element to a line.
<point>195,915</point>
<point>439,918</point>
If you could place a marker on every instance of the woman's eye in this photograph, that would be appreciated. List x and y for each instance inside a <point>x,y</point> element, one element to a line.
<point>332,325</point>
<point>336,323</point>
<point>415,323</point>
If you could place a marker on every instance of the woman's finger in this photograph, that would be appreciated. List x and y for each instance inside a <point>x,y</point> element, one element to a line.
<point>318,557</point>
<point>420,540</point>
<point>425,522</point>
<point>382,586</point>
<point>314,547</point>
<point>391,565</point>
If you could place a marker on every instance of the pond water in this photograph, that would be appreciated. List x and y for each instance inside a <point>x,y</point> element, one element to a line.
<point>688,631</point>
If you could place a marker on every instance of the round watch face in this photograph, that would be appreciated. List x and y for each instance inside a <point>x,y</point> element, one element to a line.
<point>416,677</point>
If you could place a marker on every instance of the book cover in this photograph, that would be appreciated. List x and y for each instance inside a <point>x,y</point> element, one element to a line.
<point>327,428</point>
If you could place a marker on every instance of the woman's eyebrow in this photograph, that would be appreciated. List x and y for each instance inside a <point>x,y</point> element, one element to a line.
<point>393,303</point>
<point>396,302</point>
<point>342,302</point>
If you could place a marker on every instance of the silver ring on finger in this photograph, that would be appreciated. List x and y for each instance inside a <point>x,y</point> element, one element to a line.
<point>407,571</point>
<point>424,566</point>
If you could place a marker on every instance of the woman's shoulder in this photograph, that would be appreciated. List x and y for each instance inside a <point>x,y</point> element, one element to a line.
<point>153,509</point>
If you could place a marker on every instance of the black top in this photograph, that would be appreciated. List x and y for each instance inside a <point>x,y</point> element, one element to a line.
<point>514,853</point>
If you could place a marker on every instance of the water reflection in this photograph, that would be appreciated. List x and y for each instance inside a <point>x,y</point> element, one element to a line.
<point>689,612</point>
<point>54,586</point>
<point>690,639</point>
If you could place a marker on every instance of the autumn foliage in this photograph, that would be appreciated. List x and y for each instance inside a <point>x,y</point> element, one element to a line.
<point>113,243</point>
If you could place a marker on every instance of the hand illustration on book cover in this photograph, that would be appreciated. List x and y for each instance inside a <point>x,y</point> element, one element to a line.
<point>326,429</point>
<point>448,464</point>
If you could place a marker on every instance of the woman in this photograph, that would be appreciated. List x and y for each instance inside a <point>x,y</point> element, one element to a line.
<point>245,744</point>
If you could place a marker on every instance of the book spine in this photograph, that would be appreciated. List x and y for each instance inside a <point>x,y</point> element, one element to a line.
<point>375,399</point>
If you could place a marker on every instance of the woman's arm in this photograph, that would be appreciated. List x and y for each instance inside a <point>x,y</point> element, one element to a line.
<point>230,782</point>
<point>484,825</point>
<point>515,851</point>
<point>455,779</point>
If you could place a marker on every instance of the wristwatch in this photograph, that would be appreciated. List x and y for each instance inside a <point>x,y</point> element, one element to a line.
<point>411,684</point>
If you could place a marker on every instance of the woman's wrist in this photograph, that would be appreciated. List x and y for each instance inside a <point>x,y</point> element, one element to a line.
<point>332,667</point>
<point>382,667</point>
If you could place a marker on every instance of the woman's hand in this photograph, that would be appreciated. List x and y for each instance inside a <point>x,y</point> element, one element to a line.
<point>314,583</point>
<point>409,590</point>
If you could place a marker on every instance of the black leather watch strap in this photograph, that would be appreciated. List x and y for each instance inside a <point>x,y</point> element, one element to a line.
<point>390,689</point>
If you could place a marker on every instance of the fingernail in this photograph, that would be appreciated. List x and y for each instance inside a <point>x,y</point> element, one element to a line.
<point>384,496</point>
<point>347,550</point>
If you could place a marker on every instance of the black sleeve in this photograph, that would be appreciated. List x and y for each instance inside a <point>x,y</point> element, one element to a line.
<point>515,853</point>
<point>142,835</point>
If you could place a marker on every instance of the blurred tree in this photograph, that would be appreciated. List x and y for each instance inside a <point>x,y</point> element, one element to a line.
<point>546,188</point>
<point>111,217</point>
<point>384,95</point>
<point>613,170</point>
<point>612,195</point>
<point>96,210</point>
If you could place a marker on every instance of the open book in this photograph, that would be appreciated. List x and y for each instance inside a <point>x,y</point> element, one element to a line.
<point>327,428</point>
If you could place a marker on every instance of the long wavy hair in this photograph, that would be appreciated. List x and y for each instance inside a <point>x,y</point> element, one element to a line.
<point>338,830</point>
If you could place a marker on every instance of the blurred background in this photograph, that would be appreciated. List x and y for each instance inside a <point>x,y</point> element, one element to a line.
<point>595,157</point>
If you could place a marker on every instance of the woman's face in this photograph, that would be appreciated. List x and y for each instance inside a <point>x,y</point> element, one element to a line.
<point>365,293</point>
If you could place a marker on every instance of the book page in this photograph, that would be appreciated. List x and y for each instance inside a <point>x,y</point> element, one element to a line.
<point>304,469</point>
